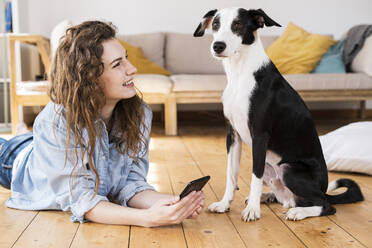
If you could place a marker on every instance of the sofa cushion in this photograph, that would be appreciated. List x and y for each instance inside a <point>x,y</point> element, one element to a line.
<point>350,81</point>
<point>363,60</point>
<point>297,51</point>
<point>267,40</point>
<point>153,83</point>
<point>141,62</point>
<point>185,54</point>
<point>329,81</point>
<point>152,45</point>
<point>198,82</point>
<point>58,31</point>
<point>331,61</point>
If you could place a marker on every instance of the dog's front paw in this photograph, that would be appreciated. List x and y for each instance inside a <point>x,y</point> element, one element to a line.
<point>251,213</point>
<point>219,207</point>
<point>296,214</point>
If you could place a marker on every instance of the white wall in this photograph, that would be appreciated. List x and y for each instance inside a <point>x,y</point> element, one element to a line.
<point>320,16</point>
<point>140,16</point>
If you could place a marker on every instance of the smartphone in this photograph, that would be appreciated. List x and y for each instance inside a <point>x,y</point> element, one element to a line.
<point>195,185</point>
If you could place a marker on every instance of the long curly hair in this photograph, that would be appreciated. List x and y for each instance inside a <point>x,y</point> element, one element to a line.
<point>74,74</point>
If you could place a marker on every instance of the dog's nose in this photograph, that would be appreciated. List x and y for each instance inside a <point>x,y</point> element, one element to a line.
<point>219,46</point>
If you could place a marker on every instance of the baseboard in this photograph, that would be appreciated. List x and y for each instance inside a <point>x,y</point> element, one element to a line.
<point>203,115</point>
<point>217,115</point>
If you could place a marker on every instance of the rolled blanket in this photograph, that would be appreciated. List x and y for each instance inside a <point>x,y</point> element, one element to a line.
<point>354,42</point>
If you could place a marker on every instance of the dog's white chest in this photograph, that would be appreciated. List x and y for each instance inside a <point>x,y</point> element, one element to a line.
<point>236,105</point>
<point>241,83</point>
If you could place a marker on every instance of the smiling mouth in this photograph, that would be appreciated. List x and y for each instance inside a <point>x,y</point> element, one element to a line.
<point>129,83</point>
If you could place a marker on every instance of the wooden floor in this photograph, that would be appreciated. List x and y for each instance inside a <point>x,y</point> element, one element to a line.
<point>199,150</point>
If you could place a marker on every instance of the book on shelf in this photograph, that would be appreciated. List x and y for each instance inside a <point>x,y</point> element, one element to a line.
<point>8,17</point>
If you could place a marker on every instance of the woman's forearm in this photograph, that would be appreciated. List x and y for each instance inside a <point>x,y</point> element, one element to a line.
<point>147,198</point>
<point>110,213</point>
<point>157,209</point>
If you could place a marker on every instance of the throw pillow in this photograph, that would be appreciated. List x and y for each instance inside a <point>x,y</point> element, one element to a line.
<point>349,148</point>
<point>58,31</point>
<point>363,60</point>
<point>332,62</point>
<point>139,60</point>
<point>297,51</point>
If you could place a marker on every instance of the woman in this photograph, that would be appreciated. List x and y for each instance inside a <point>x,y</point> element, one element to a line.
<point>88,153</point>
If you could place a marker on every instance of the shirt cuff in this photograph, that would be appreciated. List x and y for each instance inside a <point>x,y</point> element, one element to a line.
<point>85,203</point>
<point>133,188</point>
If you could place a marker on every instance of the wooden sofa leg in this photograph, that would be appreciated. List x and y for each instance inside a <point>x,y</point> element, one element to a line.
<point>362,110</point>
<point>170,112</point>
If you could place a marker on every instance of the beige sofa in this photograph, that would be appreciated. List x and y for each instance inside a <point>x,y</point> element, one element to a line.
<point>195,76</point>
<point>198,78</point>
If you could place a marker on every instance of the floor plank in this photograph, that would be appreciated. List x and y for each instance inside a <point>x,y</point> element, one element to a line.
<point>269,231</point>
<point>208,230</point>
<point>48,229</point>
<point>318,232</point>
<point>356,218</point>
<point>168,236</point>
<point>12,221</point>
<point>93,235</point>
<point>323,233</point>
<point>335,236</point>
<point>174,161</point>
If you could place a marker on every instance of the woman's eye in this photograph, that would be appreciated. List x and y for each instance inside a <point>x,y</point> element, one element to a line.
<point>116,65</point>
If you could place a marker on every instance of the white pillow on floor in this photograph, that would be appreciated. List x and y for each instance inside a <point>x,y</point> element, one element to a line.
<point>349,148</point>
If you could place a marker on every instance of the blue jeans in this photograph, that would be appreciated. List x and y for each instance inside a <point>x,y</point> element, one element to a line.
<point>8,152</point>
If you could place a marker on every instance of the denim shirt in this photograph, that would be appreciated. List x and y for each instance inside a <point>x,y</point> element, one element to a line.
<point>41,178</point>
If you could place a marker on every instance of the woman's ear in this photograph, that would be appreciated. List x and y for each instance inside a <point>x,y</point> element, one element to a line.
<point>205,23</point>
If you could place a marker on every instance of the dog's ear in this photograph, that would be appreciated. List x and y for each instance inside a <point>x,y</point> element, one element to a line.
<point>261,19</point>
<point>205,23</point>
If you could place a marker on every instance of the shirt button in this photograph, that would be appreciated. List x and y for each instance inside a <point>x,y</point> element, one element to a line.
<point>103,158</point>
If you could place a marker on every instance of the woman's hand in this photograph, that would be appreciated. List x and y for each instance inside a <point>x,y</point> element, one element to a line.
<point>198,211</point>
<point>174,211</point>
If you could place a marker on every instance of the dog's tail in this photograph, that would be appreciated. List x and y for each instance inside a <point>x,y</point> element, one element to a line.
<point>351,195</point>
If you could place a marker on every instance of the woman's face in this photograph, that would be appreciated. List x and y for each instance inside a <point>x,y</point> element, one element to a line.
<point>117,77</point>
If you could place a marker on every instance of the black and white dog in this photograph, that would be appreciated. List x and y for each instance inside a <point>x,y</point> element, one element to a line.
<point>264,111</point>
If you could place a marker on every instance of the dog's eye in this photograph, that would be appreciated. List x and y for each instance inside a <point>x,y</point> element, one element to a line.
<point>215,25</point>
<point>237,25</point>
